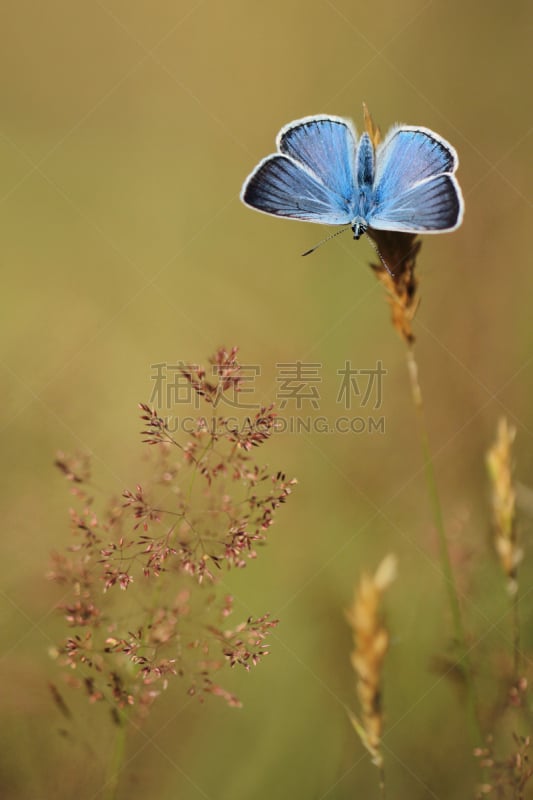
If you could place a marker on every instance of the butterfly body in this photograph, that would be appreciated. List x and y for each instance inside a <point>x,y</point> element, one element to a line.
<point>323,173</point>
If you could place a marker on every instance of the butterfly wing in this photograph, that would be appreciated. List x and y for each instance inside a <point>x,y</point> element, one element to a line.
<point>326,147</point>
<point>312,178</point>
<point>415,189</point>
<point>281,187</point>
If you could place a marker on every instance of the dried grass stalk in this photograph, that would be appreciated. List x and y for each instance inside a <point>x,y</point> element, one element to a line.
<point>371,641</point>
<point>500,468</point>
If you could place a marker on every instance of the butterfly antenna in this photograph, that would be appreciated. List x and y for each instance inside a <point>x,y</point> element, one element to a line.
<point>332,236</point>
<point>376,248</point>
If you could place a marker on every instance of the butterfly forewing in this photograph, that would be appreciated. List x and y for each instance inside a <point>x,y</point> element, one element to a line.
<point>429,207</point>
<point>281,187</point>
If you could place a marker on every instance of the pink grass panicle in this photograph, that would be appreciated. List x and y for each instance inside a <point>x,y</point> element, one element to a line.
<point>141,576</point>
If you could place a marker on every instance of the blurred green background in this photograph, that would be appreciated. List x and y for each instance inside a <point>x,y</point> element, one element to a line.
<point>127,128</point>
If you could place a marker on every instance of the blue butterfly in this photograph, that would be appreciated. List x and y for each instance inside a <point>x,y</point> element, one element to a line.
<point>323,173</point>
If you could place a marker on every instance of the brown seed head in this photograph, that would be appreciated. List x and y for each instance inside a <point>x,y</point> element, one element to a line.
<point>500,468</point>
<point>371,641</point>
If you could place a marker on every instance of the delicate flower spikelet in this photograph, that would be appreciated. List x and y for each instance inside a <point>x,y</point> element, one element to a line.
<point>141,594</point>
<point>500,467</point>
<point>398,251</point>
<point>509,776</point>
<point>371,641</point>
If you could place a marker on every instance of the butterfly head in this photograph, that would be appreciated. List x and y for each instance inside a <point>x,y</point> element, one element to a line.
<point>359,227</point>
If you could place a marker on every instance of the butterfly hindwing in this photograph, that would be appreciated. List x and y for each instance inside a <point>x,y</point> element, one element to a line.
<point>326,147</point>
<point>415,189</point>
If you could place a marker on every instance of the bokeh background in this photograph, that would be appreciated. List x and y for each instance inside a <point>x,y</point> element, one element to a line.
<point>127,128</point>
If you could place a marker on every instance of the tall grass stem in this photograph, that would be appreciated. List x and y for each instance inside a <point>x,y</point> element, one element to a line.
<point>444,551</point>
<point>117,759</point>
